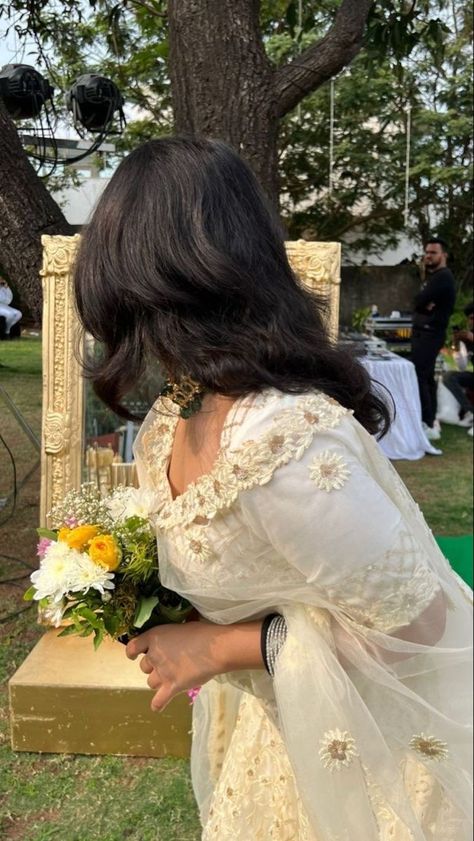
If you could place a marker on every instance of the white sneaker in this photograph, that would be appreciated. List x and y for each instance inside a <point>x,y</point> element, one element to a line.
<point>431,432</point>
<point>467,420</point>
<point>470,431</point>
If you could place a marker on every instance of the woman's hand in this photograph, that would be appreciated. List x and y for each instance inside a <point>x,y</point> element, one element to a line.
<point>180,657</point>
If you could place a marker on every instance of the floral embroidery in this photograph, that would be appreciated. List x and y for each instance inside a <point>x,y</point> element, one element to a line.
<point>374,599</point>
<point>195,546</point>
<point>329,471</point>
<point>338,749</point>
<point>254,794</point>
<point>429,747</point>
<point>252,463</point>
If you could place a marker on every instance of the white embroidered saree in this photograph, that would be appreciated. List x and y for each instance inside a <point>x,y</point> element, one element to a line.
<point>363,735</point>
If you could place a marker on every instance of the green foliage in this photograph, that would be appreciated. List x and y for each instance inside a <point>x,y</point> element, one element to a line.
<point>139,545</point>
<point>371,100</point>
<point>359,317</point>
<point>144,610</point>
<point>416,54</point>
<point>396,29</point>
<point>458,318</point>
<point>48,533</point>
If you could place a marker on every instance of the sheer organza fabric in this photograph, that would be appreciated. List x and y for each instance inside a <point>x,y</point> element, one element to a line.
<point>302,514</point>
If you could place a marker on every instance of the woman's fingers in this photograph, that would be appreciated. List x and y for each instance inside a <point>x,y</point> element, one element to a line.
<point>146,665</point>
<point>136,646</point>
<point>153,680</point>
<point>162,698</point>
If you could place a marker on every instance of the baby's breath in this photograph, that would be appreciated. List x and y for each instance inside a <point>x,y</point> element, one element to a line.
<point>85,506</point>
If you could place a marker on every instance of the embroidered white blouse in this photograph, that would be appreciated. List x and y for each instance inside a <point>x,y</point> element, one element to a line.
<point>367,716</point>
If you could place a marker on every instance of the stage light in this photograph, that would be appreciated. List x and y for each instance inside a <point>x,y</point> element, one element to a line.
<point>94,100</point>
<point>24,91</point>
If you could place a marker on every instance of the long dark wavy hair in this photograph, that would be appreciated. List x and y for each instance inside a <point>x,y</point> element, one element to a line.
<point>184,263</point>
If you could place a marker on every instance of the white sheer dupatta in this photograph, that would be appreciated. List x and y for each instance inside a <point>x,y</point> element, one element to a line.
<point>372,685</point>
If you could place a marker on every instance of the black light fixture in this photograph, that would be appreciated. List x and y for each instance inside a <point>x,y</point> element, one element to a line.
<point>24,91</point>
<point>94,100</point>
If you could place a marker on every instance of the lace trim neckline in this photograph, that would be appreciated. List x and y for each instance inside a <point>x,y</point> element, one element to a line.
<point>235,469</point>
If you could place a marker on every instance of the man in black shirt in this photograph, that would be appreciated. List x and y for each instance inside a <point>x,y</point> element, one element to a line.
<point>434,305</point>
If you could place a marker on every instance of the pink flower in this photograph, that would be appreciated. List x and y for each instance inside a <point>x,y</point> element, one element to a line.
<point>42,547</point>
<point>193,693</point>
<point>71,522</point>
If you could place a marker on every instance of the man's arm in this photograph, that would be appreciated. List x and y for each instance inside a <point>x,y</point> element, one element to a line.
<point>426,298</point>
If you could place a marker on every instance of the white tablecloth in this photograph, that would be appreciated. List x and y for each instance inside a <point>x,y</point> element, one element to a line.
<point>406,438</point>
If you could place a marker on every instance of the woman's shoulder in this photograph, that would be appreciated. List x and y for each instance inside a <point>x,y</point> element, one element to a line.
<point>292,417</point>
<point>271,429</point>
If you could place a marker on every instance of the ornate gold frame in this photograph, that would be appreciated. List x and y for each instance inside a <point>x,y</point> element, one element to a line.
<point>317,264</point>
<point>63,391</point>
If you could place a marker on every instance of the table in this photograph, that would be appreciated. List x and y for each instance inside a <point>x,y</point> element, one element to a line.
<point>406,438</point>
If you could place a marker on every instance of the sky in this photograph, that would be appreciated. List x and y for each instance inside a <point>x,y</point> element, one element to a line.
<point>11,51</point>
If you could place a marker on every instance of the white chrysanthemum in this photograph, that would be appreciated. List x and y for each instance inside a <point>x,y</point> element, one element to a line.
<point>132,502</point>
<point>329,471</point>
<point>53,579</point>
<point>87,575</point>
<point>64,570</point>
<point>337,750</point>
<point>53,613</point>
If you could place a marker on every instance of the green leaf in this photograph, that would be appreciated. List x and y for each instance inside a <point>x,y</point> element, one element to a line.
<point>88,614</point>
<point>51,535</point>
<point>68,631</point>
<point>144,610</point>
<point>112,623</point>
<point>98,637</point>
<point>30,593</point>
<point>175,614</point>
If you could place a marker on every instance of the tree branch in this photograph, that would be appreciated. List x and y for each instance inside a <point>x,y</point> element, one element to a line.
<point>150,8</point>
<point>324,59</point>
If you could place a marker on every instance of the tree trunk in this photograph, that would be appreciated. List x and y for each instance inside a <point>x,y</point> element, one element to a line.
<point>222,80</point>
<point>27,211</point>
<point>224,86</point>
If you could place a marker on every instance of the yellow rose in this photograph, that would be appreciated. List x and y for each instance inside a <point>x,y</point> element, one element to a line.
<point>78,538</point>
<point>105,550</point>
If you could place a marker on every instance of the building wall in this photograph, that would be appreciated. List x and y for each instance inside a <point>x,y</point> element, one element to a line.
<point>389,287</point>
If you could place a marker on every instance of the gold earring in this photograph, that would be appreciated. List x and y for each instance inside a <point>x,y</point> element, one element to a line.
<point>186,393</point>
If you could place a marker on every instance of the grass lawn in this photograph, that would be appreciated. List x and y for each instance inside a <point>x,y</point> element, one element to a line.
<point>442,485</point>
<point>79,798</point>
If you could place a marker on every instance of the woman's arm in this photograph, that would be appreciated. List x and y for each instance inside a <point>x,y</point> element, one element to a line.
<point>180,657</point>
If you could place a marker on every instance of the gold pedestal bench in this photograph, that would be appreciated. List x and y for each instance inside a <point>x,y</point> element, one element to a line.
<point>66,698</point>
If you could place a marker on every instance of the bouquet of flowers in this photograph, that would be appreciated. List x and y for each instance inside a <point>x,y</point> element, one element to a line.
<point>99,571</point>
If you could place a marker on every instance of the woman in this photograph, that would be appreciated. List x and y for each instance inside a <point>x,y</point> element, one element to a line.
<point>334,646</point>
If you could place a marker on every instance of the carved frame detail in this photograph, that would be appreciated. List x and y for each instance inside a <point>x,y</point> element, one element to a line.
<point>63,391</point>
<point>317,264</point>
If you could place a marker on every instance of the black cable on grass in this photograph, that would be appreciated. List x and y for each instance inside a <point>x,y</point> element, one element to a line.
<point>17,560</point>
<point>13,615</point>
<point>15,490</point>
<point>13,580</point>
